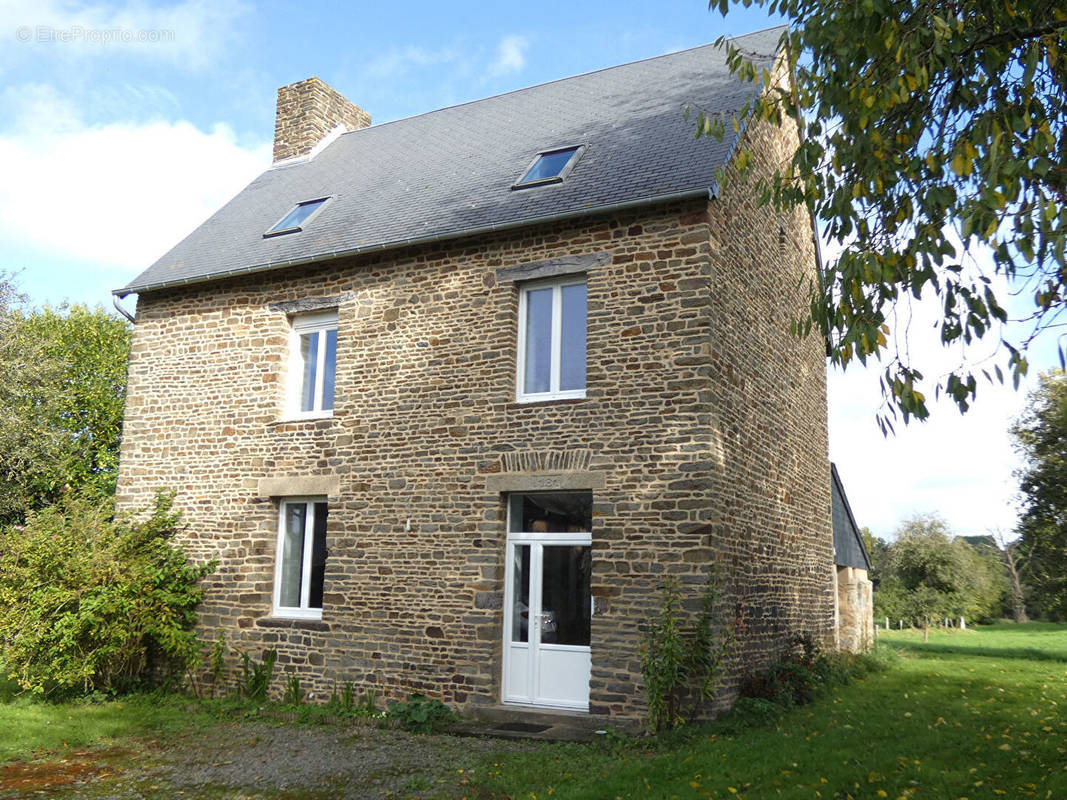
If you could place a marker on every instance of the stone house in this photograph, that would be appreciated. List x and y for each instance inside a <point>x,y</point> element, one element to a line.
<point>448,397</point>
<point>854,599</point>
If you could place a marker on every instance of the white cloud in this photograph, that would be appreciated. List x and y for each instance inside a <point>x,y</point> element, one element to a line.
<point>400,61</point>
<point>191,34</point>
<point>510,55</point>
<point>115,195</point>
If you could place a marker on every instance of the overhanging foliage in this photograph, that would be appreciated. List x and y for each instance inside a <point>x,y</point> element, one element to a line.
<point>933,132</point>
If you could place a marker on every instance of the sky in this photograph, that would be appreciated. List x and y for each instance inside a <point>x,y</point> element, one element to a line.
<point>123,125</point>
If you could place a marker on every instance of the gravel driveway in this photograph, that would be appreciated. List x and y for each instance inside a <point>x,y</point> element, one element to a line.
<point>257,761</point>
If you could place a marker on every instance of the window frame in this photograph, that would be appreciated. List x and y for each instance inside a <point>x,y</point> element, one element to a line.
<point>303,611</point>
<point>318,323</point>
<point>555,369</point>
<point>521,183</point>
<point>274,230</point>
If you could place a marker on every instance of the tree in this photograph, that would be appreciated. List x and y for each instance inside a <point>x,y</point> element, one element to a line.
<point>1041,439</point>
<point>929,127</point>
<point>878,550</point>
<point>62,393</point>
<point>1009,553</point>
<point>927,574</point>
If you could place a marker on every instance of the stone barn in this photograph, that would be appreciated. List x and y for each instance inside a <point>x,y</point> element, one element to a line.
<point>854,603</point>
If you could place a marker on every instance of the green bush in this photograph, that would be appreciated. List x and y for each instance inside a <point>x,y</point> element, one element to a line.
<point>91,602</point>
<point>795,679</point>
<point>804,672</point>
<point>419,714</point>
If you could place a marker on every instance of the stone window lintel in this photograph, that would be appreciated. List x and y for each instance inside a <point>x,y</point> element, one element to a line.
<point>300,486</point>
<point>552,267</point>
<point>308,304</point>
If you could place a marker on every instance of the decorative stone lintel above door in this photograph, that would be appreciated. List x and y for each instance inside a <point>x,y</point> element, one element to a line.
<point>543,481</point>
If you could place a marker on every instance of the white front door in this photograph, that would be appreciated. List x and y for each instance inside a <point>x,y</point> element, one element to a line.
<point>547,608</point>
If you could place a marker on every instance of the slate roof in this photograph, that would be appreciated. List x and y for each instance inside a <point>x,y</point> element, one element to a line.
<point>449,173</point>
<point>849,550</point>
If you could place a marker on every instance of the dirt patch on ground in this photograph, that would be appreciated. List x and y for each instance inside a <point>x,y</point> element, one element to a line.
<point>261,761</point>
<point>23,778</point>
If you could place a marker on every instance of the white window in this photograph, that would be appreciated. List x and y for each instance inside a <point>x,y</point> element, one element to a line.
<point>312,365</point>
<point>551,357</point>
<point>301,559</point>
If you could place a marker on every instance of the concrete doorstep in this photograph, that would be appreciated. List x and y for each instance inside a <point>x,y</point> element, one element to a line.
<point>515,722</point>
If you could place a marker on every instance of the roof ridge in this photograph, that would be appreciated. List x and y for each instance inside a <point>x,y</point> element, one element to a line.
<point>560,80</point>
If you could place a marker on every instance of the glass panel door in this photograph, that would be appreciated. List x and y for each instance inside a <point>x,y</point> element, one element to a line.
<point>565,594</point>
<point>520,599</point>
<point>547,633</point>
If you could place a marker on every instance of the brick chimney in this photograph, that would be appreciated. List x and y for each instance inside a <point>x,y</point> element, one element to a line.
<point>308,111</point>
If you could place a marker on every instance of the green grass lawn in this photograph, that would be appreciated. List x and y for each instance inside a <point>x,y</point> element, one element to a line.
<point>31,727</point>
<point>981,721</point>
<point>972,714</point>
<point>1034,640</point>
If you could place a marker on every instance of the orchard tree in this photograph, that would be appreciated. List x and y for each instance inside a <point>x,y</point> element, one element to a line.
<point>928,574</point>
<point>62,393</point>
<point>1041,438</point>
<point>933,143</point>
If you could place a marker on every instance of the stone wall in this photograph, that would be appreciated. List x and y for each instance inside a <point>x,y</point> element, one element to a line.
<point>767,399</point>
<point>855,604</point>
<point>704,424</point>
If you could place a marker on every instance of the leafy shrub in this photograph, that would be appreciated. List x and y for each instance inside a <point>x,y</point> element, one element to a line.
<point>804,672</point>
<point>419,714</point>
<point>795,679</point>
<point>682,668</point>
<point>94,602</point>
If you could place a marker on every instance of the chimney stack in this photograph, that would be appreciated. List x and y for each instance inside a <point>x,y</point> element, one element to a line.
<point>307,111</point>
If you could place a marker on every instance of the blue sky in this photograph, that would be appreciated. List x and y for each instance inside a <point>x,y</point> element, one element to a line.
<point>123,125</point>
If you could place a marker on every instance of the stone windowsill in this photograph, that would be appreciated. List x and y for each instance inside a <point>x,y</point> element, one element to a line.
<point>296,420</point>
<point>298,624</point>
<point>566,401</point>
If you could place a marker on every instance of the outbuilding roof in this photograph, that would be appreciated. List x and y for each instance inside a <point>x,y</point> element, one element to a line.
<point>849,550</point>
<point>450,173</point>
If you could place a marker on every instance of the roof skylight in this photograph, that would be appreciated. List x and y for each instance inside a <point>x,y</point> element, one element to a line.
<point>297,218</point>
<point>550,166</point>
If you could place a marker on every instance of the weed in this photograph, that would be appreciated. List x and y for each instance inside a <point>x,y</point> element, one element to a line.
<point>255,677</point>
<point>416,783</point>
<point>368,705</point>
<point>420,714</point>
<point>348,696</point>
<point>294,696</point>
<point>218,662</point>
